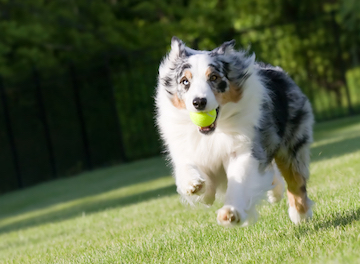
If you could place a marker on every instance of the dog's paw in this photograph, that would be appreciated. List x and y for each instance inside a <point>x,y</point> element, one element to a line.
<point>228,216</point>
<point>196,186</point>
<point>297,217</point>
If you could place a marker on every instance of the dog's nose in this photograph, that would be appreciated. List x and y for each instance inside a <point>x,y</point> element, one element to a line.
<point>199,103</point>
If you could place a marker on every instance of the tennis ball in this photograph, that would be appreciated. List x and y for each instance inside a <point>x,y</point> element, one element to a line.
<point>203,119</point>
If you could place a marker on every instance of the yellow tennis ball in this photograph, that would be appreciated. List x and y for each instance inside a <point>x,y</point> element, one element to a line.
<point>203,119</point>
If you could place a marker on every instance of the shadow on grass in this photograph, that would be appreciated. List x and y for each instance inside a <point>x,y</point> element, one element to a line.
<point>88,208</point>
<point>335,149</point>
<point>84,185</point>
<point>323,128</point>
<point>338,219</point>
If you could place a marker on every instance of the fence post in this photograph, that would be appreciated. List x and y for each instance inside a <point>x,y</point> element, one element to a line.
<point>43,118</point>
<point>10,134</point>
<point>80,114</point>
<point>341,61</point>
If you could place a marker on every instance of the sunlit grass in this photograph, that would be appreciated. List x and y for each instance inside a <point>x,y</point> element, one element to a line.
<point>131,214</point>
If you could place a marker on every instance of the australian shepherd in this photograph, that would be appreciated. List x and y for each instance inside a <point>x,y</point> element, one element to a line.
<point>261,135</point>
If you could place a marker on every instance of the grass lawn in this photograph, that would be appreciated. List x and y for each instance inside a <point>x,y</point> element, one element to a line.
<point>131,214</point>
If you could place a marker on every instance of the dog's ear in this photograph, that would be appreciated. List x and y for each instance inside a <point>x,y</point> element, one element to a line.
<point>177,48</point>
<point>225,48</point>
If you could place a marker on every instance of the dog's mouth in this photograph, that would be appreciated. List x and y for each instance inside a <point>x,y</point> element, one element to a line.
<point>209,129</point>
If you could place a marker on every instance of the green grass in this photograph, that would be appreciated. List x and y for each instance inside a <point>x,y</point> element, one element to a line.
<point>131,214</point>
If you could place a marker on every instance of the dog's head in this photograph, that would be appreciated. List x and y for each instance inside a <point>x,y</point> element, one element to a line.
<point>200,81</point>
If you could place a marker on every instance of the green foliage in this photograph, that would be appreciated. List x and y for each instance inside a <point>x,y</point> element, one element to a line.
<point>350,15</point>
<point>46,31</point>
<point>288,32</point>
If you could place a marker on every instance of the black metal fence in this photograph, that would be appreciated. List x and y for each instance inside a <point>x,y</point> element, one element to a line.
<point>59,122</point>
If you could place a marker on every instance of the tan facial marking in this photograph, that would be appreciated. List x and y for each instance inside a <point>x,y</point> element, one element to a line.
<point>234,94</point>
<point>208,72</point>
<point>188,75</point>
<point>177,102</point>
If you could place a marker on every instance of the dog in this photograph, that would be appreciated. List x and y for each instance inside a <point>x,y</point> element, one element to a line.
<point>263,130</point>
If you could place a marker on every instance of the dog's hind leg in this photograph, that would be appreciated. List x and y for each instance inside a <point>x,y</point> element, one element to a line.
<point>277,192</point>
<point>296,173</point>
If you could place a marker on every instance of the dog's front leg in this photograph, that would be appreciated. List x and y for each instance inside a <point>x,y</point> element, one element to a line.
<point>246,186</point>
<point>193,184</point>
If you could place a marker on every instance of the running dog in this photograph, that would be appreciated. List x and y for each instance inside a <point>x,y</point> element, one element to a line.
<point>263,130</point>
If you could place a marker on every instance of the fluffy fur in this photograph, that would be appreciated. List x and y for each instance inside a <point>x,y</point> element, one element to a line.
<point>263,130</point>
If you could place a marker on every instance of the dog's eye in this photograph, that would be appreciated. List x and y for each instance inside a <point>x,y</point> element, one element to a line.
<point>213,78</point>
<point>185,82</point>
